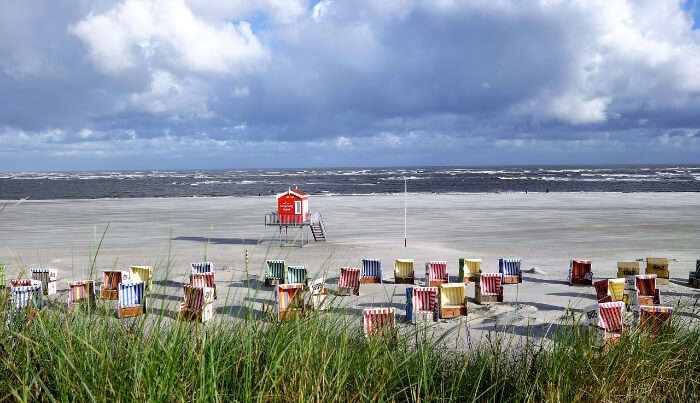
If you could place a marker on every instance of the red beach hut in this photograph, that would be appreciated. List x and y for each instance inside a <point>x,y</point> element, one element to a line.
<point>293,207</point>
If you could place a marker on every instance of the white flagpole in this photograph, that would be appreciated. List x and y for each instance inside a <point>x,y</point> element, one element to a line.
<point>405,195</point>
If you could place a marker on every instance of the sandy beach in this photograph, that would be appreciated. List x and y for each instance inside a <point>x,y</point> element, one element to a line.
<point>544,230</point>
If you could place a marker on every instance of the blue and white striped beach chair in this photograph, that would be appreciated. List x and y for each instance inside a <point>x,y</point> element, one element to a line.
<point>371,271</point>
<point>202,267</point>
<point>132,299</point>
<point>26,297</point>
<point>510,271</point>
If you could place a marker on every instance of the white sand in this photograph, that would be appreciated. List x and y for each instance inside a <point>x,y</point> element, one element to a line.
<point>544,230</point>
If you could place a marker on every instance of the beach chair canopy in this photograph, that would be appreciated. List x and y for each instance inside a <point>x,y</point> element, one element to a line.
<point>141,273</point>
<point>202,267</point>
<point>579,268</point>
<point>131,294</point>
<point>289,297</point>
<point>646,284</point>
<point>611,315</point>
<point>202,280</point>
<point>424,299</point>
<point>658,266</point>
<point>468,267</point>
<point>509,267</point>
<point>372,268</point>
<point>112,278</point>
<point>616,286</point>
<point>601,290</point>
<point>452,295</point>
<point>197,297</point>
<point>26,296</point>
<point>490,284</point>
<point>437,270</point>
<point>378,321</point>
<point>403,268</point>
<point>275,269</point>
<point>44,274</point>
<point>349,277</point>
<point>295,274</point>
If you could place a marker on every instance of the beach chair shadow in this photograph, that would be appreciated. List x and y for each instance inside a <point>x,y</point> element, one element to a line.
<point>169,283</point>
<point>218,241</point>
<point>545,281</point>
<point>582,294</point>
<point>165,297</point>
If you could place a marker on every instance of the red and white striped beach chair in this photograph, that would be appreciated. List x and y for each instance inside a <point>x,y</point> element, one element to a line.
<point>423,304</point>
<point>453,300</point>
<point>647,293</point>
<point>110,283</point>
<point>655,318</point>
<point>601,291</point>
<point>349,283</point>
<point>203,279</point>
<point>290,301</point>
<point>611,320</point>
<point>81,292</point>
<point>580,272</point>
<point>379,322</point>
<point>403,271</point>
<point>436,273</point>
<point>488,288</point>
<point>198,304</point>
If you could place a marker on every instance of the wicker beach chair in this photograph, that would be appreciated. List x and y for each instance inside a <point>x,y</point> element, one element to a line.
<point>647,293</point>
<point>379,322</point>
<point>198,304</point>
<point>658,266</point>
<point>488,288</point>
<point>694,276</point>
<point>371,271</point>
<point>625,269</point>
<point>274,274</point>
<point>423,304</point>
<point>202,267</point>
<point>47,276</point>
<point>616,287</point>
<point>319,294</point>
<point>469,269</point>
<point>290,301</point>
<point>580,272</point>
<point>81,292</point>
<point>26,298</point>
<point>453,300</point>
<point>142,273</point>
<point>601,291</point>
<point>510,271</point>
<point>655,318</point>
<point>295,275</point>
<point>436,273</point>
<point>110,283</point>
<point>403,271</point>
<point>132,299</point>
<point>203,279</point>
<point>349,282</point>
<point>611,320</point>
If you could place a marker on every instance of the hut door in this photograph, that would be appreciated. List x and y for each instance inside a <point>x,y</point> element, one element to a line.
<point>297,207</point>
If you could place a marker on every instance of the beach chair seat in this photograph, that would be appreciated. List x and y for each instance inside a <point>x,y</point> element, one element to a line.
<point>422,302</point>
<point>2,276</point>
<point>647,293</point>
<point>625,269</point>
<point>349,282</point>
<point>616,287</point>
<point>295,275</point>
<point>109,289</point>
<point>379,322</point>
<point>403,271</point>
<point>658,266</point>
<point>488,288</point>
<point>601,291</point>
<point>202,267</point>
<point>81,292</point>
<point>26,297</point>
<point>319,294</point>
<point>142,273</point>
<point>48,277</point>
<point>132,299</point>
<point>469,269</point>
<point>290,301</point>
<point>655,318</point>
<point>611,320</point>
<point>203,279</point>
<point>580,272</point>
<point>510,271</point>
<point>274,274</point>
<point>694,276</point>
<point>436,273</point>
<point>197,304</point>
<point>371,271</point>
<point>453,300</point>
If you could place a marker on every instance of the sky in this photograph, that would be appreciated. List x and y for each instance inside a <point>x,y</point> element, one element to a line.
<point>192,84</point>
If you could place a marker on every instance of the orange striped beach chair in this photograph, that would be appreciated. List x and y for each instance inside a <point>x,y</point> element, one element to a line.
<point>379,322</point>
<point>580,272</point>
<point>655,318</point>
<point>198,304</point>
<point>203,279</point>
<point>436,273</point>
<point>290,301</point>
<point>488,288</point>
<point>81,292</point>
<point>403,271</point>
<point>349,282</point>
<point>611,320</point>
<point>647,293</point>
<point>110,283</point>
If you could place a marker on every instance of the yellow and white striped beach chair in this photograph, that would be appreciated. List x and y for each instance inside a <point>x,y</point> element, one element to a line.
<point>403,271</point>
<point>453,300</point>
<point>469,269</point>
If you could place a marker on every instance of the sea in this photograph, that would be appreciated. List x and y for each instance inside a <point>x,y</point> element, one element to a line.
<point>347,181</point>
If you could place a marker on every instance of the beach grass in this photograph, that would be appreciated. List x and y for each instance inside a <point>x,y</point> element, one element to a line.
<point>76,355</point>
